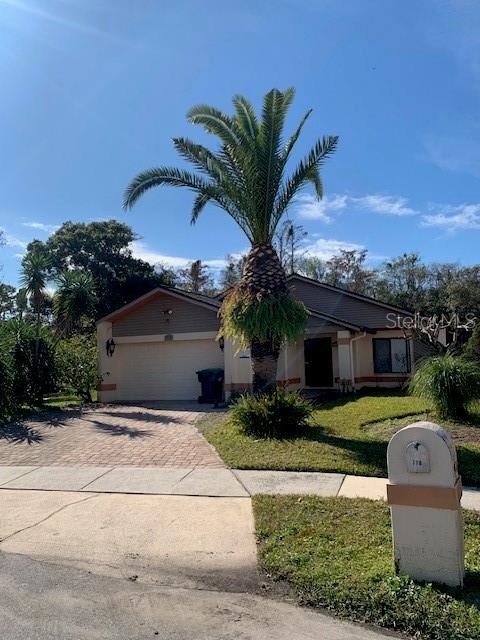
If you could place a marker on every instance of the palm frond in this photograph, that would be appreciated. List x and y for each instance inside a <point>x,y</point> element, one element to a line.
<point>306,171</point>
<point>214,121</point>
<point>275,107</point>
<point>199,204</point>
<point>293,139</point>
<point>201,157</point>
<point>159,176</point>
<point>245,116</point>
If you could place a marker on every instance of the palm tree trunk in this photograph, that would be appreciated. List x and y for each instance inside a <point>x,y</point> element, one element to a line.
<point>264,359</point>
<point>263,275</point>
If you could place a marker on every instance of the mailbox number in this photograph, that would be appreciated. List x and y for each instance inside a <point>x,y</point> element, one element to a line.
<point>417,458</point>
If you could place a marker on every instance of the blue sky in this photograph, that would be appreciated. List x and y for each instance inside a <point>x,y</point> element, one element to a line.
<point>93,91</point>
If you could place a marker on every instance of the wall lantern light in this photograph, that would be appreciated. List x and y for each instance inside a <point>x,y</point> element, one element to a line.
<point>221,344</point>
<point>110,347</point>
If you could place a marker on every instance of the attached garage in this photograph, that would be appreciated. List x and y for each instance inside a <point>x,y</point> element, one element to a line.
<point>159,343</point>
<point>163,370</point>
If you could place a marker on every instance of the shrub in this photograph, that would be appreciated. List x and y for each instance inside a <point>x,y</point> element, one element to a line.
<point>27,372</point>
<point>472,348</point>
<point>278,414</point>
<point>35,374</point>
<point>450,382</point>
<point>6,395</point>
<point>77,365</point>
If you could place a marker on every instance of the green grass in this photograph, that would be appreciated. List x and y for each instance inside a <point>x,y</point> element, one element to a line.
<point>339,439</point>
<point>336,553</point>
<point>54,402</point>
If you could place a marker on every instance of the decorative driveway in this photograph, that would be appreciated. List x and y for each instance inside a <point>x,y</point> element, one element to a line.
<point>157,435</point>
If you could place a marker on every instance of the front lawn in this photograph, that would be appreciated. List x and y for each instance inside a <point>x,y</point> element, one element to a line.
<point>336,553</point>
<point>348,435</point>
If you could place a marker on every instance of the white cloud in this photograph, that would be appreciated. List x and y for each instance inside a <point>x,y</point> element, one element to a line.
<point>325,248</point>
<point>40,226</point>
<point>311,208</point>
<point>389,205</point>
<point>454,218</point>
<point>142,251</point>
<point>13,241</point>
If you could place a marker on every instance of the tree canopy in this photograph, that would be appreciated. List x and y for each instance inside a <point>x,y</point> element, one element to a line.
<point>104,250</point>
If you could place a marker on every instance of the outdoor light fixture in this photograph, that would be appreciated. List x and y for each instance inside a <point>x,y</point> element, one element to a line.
<point>110,347</point>
<point>221,344</point>
<point>167,312</point>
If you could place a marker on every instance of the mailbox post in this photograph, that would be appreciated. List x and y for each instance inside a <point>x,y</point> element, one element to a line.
<point>424,492</point>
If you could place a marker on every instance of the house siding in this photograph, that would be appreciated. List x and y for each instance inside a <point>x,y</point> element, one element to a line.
<point>150,319</point>
<point>341,305</point>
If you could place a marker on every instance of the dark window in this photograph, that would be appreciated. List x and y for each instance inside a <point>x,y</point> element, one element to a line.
<point>391,355</point>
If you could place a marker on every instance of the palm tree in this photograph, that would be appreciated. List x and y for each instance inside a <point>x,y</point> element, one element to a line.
<point>246,178</point>
<point>34,281</point>
<point>74,300</point>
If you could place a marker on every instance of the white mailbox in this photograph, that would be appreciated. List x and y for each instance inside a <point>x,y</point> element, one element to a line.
<point>424,492</point>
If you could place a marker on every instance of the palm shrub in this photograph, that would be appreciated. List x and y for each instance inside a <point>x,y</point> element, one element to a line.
<point>450,382</point>
<point>246,177</point>
<point>277,414</point>
<point>74,302</point>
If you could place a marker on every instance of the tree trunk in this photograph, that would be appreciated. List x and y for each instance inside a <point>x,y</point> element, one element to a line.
<point>263,275</point>
<point>264,359</point>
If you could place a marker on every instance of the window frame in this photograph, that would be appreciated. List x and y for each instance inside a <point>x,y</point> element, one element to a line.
<point>390,371</point>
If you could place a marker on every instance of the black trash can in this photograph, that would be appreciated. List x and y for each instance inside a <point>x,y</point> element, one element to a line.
<point>212,385</point>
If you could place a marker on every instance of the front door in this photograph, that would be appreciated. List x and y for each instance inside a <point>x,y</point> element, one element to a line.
<point>318,362</point>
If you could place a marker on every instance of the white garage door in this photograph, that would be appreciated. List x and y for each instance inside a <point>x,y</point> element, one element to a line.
<point>163,370</point>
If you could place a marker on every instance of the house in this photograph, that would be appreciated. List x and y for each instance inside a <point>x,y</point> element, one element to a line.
<point>152,348</point>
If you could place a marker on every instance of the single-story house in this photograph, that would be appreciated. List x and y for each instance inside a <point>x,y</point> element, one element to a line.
<point>152,348</point>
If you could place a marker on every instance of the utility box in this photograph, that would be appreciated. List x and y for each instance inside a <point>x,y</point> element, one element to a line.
<point>424,493</point>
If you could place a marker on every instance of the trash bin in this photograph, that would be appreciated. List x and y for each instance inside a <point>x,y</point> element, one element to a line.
<point>212,385</point>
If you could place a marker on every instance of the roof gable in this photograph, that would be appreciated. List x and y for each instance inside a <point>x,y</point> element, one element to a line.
<point>342,305</point>
<point>138,303</point>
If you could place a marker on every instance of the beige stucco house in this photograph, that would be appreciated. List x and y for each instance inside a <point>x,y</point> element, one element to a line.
<point>152,348</point>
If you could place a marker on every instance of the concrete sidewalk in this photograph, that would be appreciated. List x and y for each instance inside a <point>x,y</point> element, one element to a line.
<point>84,566</point>
<point>224,483</point>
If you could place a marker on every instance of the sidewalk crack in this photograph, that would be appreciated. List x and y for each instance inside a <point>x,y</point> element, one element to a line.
<point>240,482</point>
<point>183,478</point>
<point>50,515</point>
<point>97,478</point>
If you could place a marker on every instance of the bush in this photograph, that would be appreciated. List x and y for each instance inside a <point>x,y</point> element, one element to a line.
<point>449,382</point>
<point>278,414</point>
<point>28,374</point>
<point>6,393</point>
<point>77,365</point>
<point>472,348</point>
<point>35,373</point>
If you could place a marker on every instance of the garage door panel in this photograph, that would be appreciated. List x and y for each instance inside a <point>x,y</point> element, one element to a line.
<point>164,370</point>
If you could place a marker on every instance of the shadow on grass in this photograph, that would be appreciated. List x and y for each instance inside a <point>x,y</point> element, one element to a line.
<point>371,452</point>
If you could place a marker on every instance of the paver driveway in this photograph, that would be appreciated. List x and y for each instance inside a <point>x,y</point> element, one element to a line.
<point>160,435</point>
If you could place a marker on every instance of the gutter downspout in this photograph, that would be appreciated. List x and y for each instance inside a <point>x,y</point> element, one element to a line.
<point>352,367</point>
